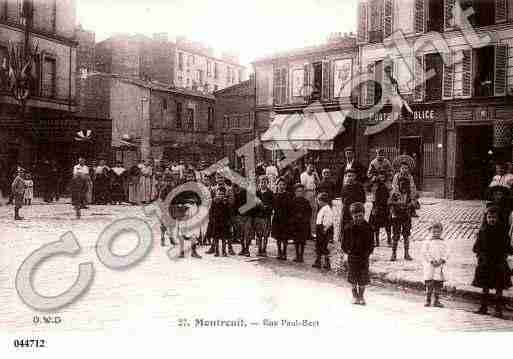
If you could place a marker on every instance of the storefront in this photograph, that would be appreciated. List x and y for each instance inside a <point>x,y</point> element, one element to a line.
<point>419,134</point>
<point>479,133</point>
<point>321,135</point>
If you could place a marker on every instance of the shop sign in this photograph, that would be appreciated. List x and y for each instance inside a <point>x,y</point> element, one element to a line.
<point>418,115</point>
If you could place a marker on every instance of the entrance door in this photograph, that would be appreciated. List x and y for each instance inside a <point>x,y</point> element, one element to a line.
<point>474,166</point>
<point>412,146</point>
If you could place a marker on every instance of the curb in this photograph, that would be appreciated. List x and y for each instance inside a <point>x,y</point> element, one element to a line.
<point>450,291</point>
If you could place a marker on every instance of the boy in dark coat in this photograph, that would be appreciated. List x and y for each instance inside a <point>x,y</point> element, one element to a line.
<point>220,217</point>
<point>358,244</point>
<point>281,219</point>
<point>79,188</point>
<point>18,192</point>
<point>492,247</point>
<point>300,221</point>
<point>352,192</point>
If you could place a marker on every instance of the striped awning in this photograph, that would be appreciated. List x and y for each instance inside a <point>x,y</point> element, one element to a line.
<point>311,131</point>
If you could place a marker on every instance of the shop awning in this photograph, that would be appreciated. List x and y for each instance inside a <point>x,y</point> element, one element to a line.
<point>311,131</point>
<point>380,126</point>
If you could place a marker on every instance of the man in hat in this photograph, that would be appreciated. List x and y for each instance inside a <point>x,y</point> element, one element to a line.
<point>350,164</point>
<point>18,191</point>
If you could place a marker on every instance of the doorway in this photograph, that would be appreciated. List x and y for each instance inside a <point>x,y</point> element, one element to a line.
<point>474,161</point>
<point>412,146</point>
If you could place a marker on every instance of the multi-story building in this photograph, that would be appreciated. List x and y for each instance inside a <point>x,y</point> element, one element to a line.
<point>47,127</point>
<point>235,123</point>
<point>159,121</point>
<point>453,64</point>
<point>182,64</point>
<point>316,82</point>
<point>197,68</point>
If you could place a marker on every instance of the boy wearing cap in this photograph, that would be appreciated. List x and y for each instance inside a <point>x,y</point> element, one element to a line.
<point>324,225</point>
<point>300,221</point>
<point>352,192</point>
<point>282,205</point>
<point>400,208</point>
<point>263,215</point>
<point>18,192</point>
<point>220,217</point>
<point>358,244</point>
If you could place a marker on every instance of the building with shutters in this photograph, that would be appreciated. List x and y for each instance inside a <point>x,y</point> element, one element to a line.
<point>304,95</point>
<point>183,63</point>
<point>48,126</point>
<point>457,81</point>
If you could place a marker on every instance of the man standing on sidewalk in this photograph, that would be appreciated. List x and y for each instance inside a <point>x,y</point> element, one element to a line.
<point>310,182</point>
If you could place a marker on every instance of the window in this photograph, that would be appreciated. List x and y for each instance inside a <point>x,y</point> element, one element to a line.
<point>178,115</point>
<point>216,70</point>
<point>189,61</point>
<point>3,9</point>
<point>317,81</point>
<point>201,76</point>
<point>434,84</point>
<point>435,15</point>
<point>376,21</point>
<point>209,69</point>
<point>240,75</point>
<point>484,12</point>
<point>49,73</point>
<point>190,119</point>
<point>180,61</point>
<point>210,121</point>
<point>164,104</point>
<point>280,86</point>
<point>298,78</point>
<point>226,122</point>
<point>484,71</point>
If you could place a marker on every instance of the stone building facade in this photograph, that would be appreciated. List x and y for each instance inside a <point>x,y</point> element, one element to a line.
<point>48,124</point>
<point>235,123</point>
<point>455,69</point>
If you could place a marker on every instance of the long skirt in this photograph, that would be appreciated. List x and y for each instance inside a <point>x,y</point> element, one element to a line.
<point>89,193</point>
<point>146,189</point>
<point>133,193</point>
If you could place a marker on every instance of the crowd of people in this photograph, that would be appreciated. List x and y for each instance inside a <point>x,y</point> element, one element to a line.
<point>294,206</point>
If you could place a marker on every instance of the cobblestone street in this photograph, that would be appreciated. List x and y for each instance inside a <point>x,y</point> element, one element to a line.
<point>159,292</point>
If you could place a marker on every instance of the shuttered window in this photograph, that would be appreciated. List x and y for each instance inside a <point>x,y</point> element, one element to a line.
<point>3,9</point>
<point>448,77</point>
<point>363,22</point>
<point>326,79</point>
<point>501,58</point>
<point>49,77</point>
<point>376,21</point>
<point>448,18</point>
<point>419,16</point>
<point>210,120</point>
<point>467,73</point>
<point>435,15</point>
<point>418,92</point>
<point>388,18</point>
<point>179,115</point>
<point>501,11</point>
<point>190,119</point>
<point>371,86</point>
<point>280,86</point>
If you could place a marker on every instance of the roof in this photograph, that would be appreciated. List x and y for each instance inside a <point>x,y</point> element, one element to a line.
<point>343,43</point>
<point>226,89</point>
<point>155,85</point>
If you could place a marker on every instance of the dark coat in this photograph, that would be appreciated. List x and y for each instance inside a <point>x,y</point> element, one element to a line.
<point>352,193</point>
<point>301,213</point>
<point>380,215</point>
<point>328,186</point>
<point>358,244</point>
<point>219,220</point>
<point>492,247</point>
<point>361,175</point>
<point>265,210</point>
<point>282,203</point>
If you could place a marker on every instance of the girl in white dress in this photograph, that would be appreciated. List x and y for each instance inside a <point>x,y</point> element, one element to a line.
<point>29,190</point>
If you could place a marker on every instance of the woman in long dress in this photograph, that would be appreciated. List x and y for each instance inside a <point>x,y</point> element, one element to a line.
<point>146,182</point>
<point>133,176</point>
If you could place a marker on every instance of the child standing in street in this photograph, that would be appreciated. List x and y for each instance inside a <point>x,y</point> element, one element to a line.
<point>358,244</point>
<point>281,218</point>
<point>324,225</point>
<point>300,221</point>
<point>492,247</point>
<point>220,216</point>
<point>434,258</point>
<point>352,192</point>
<point>380,214</point>
<point>18,192</point>
<point>263,215</point>
<point>400,208</point>
<point>29,189</point>
<point>79,188</point>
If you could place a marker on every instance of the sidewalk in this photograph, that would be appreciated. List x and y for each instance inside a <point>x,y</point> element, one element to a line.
<point>461,221</point>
